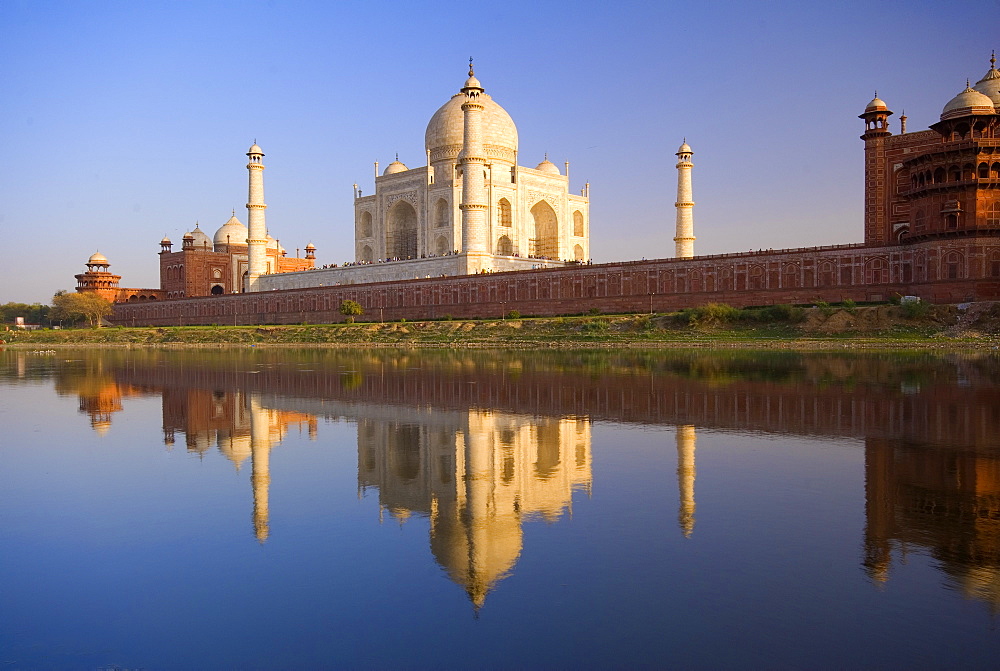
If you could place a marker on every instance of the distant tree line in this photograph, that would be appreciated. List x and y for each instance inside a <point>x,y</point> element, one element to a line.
<point>67,309</point>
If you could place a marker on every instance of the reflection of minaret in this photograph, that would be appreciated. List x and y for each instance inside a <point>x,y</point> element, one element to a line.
<point>685,478</point>
<point>879,504</point>
<point>260,445</point>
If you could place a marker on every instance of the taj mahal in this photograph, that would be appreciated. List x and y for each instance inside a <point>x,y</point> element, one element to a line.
<point>473,234</point>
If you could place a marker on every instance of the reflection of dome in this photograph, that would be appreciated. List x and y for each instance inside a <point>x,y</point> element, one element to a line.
<point>97,259</point>
<point>394,167</point>
<point>233,232</point>
<point>479,554</point>
<point>549,167</point>
<point>445,130</point>
<point>968,102</point>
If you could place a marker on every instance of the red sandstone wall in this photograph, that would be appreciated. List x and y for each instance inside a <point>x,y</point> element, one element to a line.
<point>952,271</point>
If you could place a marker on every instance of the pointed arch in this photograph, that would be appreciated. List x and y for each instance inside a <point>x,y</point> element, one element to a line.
<point>544,242</point>
<point>504,246</point>
<point>365,226</point>
<point>504,213</point>
<point>441,213</point>
<point>441,245</point>
<point>401,231</point>
<point>578,223</point>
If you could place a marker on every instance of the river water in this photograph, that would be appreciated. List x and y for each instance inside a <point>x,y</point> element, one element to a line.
<point>303,508</point>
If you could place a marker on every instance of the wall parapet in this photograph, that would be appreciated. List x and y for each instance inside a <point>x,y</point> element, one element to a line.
<point>941,271</point>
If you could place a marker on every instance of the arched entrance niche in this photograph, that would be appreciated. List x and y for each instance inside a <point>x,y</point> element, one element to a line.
<point>441,213</point>
<point>367,256</point>
<point>401,231</point>
<point>505,213</point>
<point>504,246</point>
<point>545,236</point>
<point>441,247</point>
<point>578,253</point>
<point>218,290</point>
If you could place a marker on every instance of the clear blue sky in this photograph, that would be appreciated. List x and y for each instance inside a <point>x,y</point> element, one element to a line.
<point>125,121</point>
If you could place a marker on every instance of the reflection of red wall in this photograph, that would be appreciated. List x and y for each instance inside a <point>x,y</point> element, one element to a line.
<point>941,412</point>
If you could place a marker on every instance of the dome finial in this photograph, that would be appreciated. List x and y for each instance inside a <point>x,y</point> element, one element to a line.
<point>993,59</point>
<point>397,155</point>
<point>471,73</point>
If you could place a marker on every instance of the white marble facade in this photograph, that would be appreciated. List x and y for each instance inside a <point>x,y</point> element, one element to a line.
<point>415,212</point>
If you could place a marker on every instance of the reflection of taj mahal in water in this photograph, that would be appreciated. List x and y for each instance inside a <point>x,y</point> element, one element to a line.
<point>478,476</point>
<point>932,464</point>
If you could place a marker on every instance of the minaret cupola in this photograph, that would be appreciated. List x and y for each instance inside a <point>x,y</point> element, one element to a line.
<point>876,116</point>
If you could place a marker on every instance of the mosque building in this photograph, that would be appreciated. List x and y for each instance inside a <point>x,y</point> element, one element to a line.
<point>938,183</point>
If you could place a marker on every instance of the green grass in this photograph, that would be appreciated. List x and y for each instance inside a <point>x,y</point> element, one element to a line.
<point>710,325</point>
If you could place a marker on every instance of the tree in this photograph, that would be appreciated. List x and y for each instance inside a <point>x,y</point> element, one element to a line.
<point>349,309</point>
<point>77,306</point>
<point>33,314</point>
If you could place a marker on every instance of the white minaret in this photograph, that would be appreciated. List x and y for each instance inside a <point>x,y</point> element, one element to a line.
<point>684,237</point>
<point>475,227</point>
<point>257,242</point>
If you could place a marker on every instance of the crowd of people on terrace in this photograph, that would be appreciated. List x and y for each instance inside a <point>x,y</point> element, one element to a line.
<point>392,259</point>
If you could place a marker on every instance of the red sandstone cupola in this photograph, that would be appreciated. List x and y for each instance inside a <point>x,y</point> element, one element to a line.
<point>876,116</point>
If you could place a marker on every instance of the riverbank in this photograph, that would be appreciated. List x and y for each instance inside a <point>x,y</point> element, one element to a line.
<point>975,325</point>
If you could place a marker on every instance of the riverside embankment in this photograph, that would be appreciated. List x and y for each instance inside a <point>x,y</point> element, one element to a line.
<point>883,326</point>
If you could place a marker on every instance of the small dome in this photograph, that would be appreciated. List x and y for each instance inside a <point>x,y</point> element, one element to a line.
<point>989,85</point>
<point>685,148</point>
<point>394,167</point>
<point>200,238</point>
<point>254,149</point>
<point>165,241</point>
<point>548,167</point>
<point>968,102</point>
<point>188,236</point>
<point>271,242</point>
<point>97,259</point>
<point>876,105</point>
<point>233,232</point>
<point>472,83</point>
<point>310,247</point>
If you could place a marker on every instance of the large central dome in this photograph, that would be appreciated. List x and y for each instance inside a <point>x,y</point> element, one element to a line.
<point>445,130</point>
